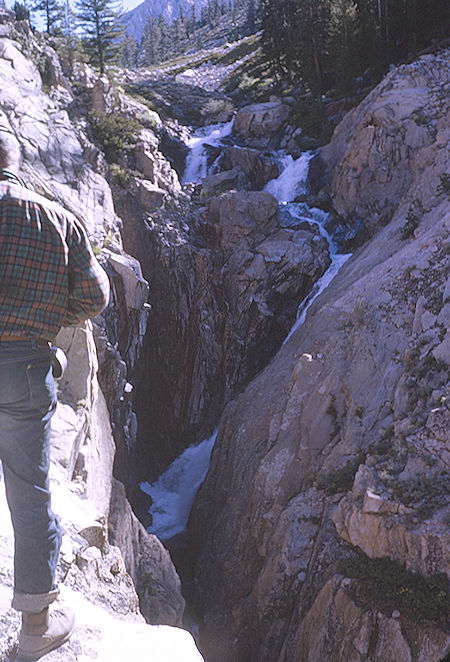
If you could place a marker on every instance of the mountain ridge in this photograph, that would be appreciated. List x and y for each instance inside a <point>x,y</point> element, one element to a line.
<point>136,18</point>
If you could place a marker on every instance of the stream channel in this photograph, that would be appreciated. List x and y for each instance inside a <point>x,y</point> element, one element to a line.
<point>173,493</point>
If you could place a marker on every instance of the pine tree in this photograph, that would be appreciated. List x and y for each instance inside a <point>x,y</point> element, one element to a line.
<point>103,28</point>
<point>72,45</point>
<point>165,42</point>
<point>150,43</point>
<point>52,11</point>
<point>344,60</point>
<point>129,52</point>
<point>21,11</point>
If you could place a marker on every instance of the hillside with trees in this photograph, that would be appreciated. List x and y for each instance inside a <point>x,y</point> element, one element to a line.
<point>335,44</point>
<point>332,47</point>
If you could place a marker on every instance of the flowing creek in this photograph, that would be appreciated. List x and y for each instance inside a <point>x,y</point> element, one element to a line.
<point>173,493</point>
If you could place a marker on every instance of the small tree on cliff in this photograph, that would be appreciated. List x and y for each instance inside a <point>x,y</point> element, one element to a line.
<point>101,22</point>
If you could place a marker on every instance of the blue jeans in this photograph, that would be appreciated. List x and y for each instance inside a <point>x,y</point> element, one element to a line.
<point>27,403</point>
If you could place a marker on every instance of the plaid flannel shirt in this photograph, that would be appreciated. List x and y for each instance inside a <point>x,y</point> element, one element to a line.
<point>49,276</point>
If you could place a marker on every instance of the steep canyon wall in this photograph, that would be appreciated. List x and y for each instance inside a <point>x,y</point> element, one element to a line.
<point>94,418</point>
<point>226,280</point>
<point>336,455</point>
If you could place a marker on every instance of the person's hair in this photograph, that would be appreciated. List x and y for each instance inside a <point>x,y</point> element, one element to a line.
<point>9,150</point>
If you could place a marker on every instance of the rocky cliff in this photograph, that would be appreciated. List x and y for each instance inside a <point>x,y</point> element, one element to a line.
<point>321,529</point>
<point>105,548</point>
<point>226,282</point>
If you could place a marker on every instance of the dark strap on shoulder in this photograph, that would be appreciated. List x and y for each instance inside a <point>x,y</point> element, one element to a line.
<point>7,175</point>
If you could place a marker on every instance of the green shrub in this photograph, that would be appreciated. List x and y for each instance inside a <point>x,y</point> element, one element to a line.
<point>434,489</point>
<point>340,480</point>
<point>116,133</point>
<point>443,187</point>
<point>389,585</point>
<point>358,411</point>
<point>309,114</point>
<point>120,176</point>
<point>415,212</point>
<point>217,106</point>
<point>411,223</point>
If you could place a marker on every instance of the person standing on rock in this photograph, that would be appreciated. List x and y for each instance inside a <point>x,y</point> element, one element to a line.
<point>49,278</point>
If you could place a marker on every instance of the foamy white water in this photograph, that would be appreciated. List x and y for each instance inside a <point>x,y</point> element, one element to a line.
<point>316,217</point>
<point>197,160</point>
<point>292,180</point>
<point>174,492</point>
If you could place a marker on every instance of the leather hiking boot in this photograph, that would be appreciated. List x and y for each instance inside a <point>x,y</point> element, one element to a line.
<point>43,632</point>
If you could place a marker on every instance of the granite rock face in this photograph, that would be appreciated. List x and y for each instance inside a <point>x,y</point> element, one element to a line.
<point>226,280</point>
<point>94,425</point>
<point>335,456</point>
<point>386,151</point>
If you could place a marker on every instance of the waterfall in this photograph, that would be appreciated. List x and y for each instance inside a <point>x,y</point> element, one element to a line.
<point>316,217</point>
<point>174,492</point>
<point>197,160</point>
<point>286,187</point>
<point>292,180</point>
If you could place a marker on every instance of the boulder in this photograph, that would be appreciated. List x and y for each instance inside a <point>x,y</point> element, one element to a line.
<point>147,561</point>
<point>381,527</point>
<point>360,633</point>
<point>229,180</point>
<point>150,195</point>
<point>243,217</point>
<point>174,148</point>
<point>135,287</point>
<point>259,167</point>
<point>153,165</point>
<point>103,95</point>
<point>260,124</point>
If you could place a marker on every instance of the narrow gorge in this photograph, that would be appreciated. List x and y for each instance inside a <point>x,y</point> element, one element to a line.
<point>289,309</point>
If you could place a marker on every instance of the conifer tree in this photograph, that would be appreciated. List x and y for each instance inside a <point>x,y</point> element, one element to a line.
<point>129,52</point>
<point>164,42</point>
<point>345,63</point>
<point>21,11</point>
<point>150,42</point>
<point>72,45</point>
<point>102,26</point>
<point>251,17</point>
<point>52,11</point>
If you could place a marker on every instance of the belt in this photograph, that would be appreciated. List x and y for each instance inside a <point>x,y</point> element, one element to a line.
<point>40,342</point>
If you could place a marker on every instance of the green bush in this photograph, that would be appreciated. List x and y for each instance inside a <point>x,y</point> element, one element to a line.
<point>443,187</point>
<point>217,106</point>
<point>309,114</point>
<point>116,133</point>
<point>340,480</point>
<point>411,223</point>
<point>387,585</point>
<point>120,176</point>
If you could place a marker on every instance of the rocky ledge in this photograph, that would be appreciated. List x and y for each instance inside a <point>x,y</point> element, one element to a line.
<point>107,557</point>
